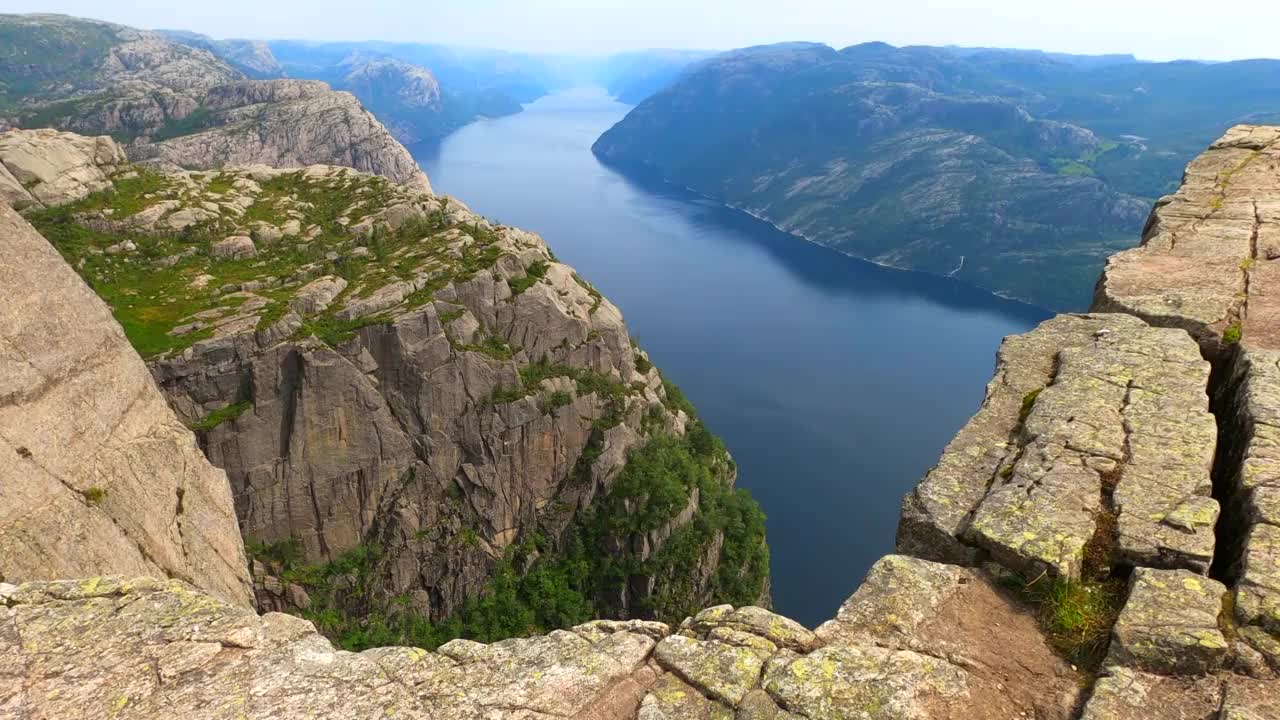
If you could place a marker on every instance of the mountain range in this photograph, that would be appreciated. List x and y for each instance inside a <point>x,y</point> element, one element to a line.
<point>1017,171</point>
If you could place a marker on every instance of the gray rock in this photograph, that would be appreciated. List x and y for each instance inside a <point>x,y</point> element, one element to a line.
<point>146,648</point>
<point>236,247</point>
<point>1169,624</point>
<point>47,167</point>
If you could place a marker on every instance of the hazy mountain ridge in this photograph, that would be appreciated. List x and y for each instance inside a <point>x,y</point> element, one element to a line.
<point>1017,171</point>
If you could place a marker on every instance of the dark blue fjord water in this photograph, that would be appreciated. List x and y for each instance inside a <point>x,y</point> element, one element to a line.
<point>834,382</point>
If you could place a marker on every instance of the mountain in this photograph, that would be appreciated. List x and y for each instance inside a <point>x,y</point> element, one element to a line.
<point>631,77</point>
<point>408,98</point>
<point>389,78</point>
<point>251,57</point>
<point>427,421</point>
<point>181,106</point>
<point>1016,171</point>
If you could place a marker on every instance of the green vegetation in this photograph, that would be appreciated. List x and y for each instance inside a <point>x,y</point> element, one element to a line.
<point>1077,615</point>
<point>217,417</point>
<point>200,119</point>
<point>153,290</point>
<point>95,495</point>
<point>1028,402</point>
<point>533,274</point>
<point>1233,334</point>
<point>538,585</point>
<point>557,399</point>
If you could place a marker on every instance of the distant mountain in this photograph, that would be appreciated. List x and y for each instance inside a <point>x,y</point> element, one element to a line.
<point>178,105</point>
<point>1017,171</point>
<point>423,92</point>
<point>251,57</point>
<point>631,77</point>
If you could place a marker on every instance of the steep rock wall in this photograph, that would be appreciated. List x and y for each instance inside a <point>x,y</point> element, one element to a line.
<point>97,474</point>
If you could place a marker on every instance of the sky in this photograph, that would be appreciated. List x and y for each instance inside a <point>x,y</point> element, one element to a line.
<point>1150,29</point>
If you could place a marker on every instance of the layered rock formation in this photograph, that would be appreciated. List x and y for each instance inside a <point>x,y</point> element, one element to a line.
<point>251,57</point>
<point>182,106</point>
<point>98,475</point>
<point>386,376</point>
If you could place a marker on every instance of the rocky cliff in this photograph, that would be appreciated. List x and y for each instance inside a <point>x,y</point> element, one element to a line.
<point>98,474</point>
<point>1098,542</point>
<point>182,106</point>
<point>408,400</point>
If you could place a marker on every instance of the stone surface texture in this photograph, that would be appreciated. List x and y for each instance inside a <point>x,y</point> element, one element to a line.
<point>1087,414</point>
<point>172,651</point>
<point>97,474</point>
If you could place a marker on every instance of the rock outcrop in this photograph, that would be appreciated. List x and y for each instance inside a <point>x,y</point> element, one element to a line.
<point>384,374</point>
<point>286,123</point>
<point>915,641</point>
<point>47,167</point>
<point>97,473</point>
<point>182,106</point>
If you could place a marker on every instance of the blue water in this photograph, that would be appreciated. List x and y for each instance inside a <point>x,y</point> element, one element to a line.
<point>834,382</point>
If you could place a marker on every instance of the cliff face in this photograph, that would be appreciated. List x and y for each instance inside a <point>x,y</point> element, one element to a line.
<point>402,390</point>
<point>98,474</point>
<point>1098,542</point>
<point>182,106</point>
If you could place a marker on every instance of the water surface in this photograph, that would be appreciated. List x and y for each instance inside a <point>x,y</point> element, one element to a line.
<point>834,382</point>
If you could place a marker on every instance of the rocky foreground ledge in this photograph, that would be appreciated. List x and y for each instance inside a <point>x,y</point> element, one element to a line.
<point>917,640</point>
<point>1101,541</point>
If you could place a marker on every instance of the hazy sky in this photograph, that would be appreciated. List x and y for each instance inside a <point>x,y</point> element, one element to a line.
<point>1150,29</point>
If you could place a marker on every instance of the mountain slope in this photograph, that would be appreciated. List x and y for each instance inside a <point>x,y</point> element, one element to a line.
<point>181,105</point>
<point>251,57</point>
<point>978,164</point>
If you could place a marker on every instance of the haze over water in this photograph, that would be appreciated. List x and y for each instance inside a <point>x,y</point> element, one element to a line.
<point>834,382</point>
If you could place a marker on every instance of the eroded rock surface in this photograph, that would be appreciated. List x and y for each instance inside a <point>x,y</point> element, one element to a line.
<point>96,472</point>
<point>175,651</point>
<point>1204,264</point>
<point>144,648</point>
<point>1087,415</point>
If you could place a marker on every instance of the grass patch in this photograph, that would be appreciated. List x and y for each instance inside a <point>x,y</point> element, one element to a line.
<point>334,332</point>
<point>94,495</point>
<point>556,400</point>
<point>1233,334</point>
<point>221,415</point>
<point>493,346</point>
<point>1076,615</point>
<point>533,274</point>
<point>1028,402</point>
